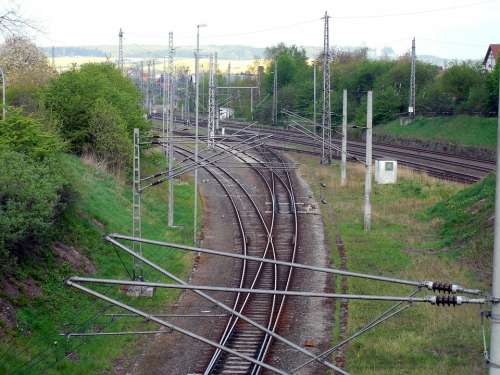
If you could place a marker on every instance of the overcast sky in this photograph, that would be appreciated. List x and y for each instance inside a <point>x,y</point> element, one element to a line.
<point>447,28</point>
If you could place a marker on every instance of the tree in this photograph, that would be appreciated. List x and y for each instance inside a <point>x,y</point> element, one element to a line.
<point>12,22</point>
<point>110,142</point>
<point>71,99</point>
<point>26,69</point>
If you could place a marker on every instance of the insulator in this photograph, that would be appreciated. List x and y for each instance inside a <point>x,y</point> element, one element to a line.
<point>442,287</point>
<point>446,300</point>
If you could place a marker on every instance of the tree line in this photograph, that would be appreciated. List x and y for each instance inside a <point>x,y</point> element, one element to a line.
<point>461,88</point>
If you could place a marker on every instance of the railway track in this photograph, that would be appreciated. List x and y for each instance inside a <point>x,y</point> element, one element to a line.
<point>437,164</point>
<point>267,229</point>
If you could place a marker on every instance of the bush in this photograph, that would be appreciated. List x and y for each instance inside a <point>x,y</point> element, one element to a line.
<point>71,99</point>
<point>28,136</point>
<point>31,199</point>
<point>109,136</point>
<point>32,191</point>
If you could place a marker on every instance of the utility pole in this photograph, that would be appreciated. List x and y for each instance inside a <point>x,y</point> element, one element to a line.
<point>142,82</point>
<point>148,89</point>
<point>314,94</point>
<point>368,166</point>
<point>53,58</point>
<point>275,93</point>
<point>411,106</point>
<point>4,102</point>
<point>230,102</point>
<point>326,118</point>
<point>153,84</point>
<point>120,50</point>
<point>136,204</point>
<point>343,164</point>
<point>216,104</point>
<point>170,127</point>
<point>211,102</point>
<point>495,291</point>
<point>186,98</point>
<point>196,105</point>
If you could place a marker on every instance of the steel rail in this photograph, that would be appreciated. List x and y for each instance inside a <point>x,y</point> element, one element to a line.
<point>218,303</point>
<point>187,169</point>
<point>291,195</point>
<point>172,326</point>
<point>232,321</point>
<point>181,167</point>
<point>283,263</point>
<point>272,188</point>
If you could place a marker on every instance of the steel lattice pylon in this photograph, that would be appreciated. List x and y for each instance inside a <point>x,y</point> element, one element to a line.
<point>170,126</point>
<point>411,106</point>
<point>136,203</point>
<point>120,50</point>
<point>211,101</point>
<point>326,131</point>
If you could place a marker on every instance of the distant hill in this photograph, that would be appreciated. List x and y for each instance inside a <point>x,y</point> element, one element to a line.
<point>226,52</point>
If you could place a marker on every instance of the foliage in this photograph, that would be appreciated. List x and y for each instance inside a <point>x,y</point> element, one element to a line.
<point>462,88</point>
<point>104,206</point>
<point>110,142</point>
<point>28,136</point>
<point>31,198</point>
<point>26,69</point>
<point>71,99</point>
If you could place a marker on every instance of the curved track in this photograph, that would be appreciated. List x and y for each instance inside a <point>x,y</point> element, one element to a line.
<point>264,233</point>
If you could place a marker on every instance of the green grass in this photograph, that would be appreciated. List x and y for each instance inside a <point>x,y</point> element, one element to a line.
<point>404,242</point>
<point>460,130</point>
<point>467,224</point>
<point>103,205</point>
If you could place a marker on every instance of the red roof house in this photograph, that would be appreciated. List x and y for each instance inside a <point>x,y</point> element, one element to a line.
<point>490,59</point>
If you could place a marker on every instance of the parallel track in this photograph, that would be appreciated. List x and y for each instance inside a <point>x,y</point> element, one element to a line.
<point>269,234</point>
<point>438,164</point>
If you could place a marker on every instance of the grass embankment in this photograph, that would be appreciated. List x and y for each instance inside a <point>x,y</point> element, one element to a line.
<point>467,225</point>
<point>404,242</point>
<point>460,130</point>
<point>103,205</point>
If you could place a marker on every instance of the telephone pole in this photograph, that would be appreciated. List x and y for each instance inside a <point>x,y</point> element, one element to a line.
<point>53,58</point>
<point>170,126</point>
<point>211,101</point>
<point>326,118</point>
<point>314,94</point>
<point>275,93</point>
<point>186,98</point>
<point>495,291</point>
<point>196,105</point>
<point>148,89</point>
<point>411,106</point>
<point>120,50</point>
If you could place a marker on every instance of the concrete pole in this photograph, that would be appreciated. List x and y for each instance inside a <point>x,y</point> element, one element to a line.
<point>343,164</point>
<point>495,291</point>
<point>251,102</point>
<point>368,176</point>
<point>314,95</point>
